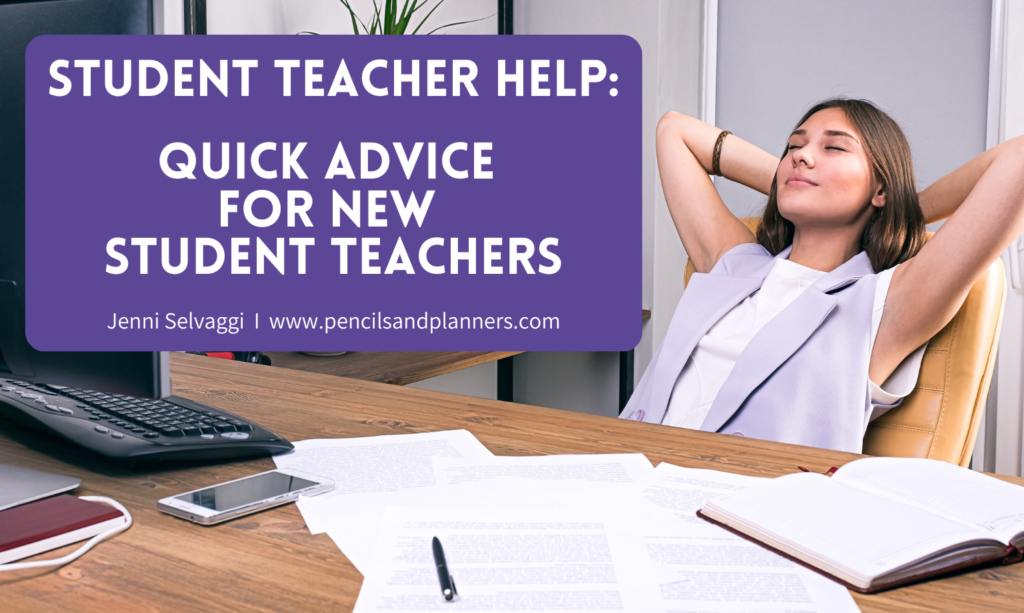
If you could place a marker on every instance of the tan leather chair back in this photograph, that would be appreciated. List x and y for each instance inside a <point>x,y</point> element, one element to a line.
<point>940,418</point>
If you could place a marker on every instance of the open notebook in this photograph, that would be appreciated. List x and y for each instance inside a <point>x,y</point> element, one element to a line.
<point>881,522</point>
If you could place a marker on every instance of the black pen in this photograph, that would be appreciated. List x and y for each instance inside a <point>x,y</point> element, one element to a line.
<point>447,581</point>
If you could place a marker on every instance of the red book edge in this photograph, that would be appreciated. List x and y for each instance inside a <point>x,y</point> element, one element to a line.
<point>62,499</point>
<point>1011,556</point>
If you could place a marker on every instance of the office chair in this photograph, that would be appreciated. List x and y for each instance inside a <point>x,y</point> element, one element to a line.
<point>940,418</point>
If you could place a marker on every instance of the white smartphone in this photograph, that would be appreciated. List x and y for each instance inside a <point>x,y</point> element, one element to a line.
<point>224,501</point>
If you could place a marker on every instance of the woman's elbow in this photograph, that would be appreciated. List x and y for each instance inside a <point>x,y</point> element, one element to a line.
<point>672,125</point>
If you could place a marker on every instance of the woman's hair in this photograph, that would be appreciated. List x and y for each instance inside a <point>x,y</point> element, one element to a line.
<point>895,232</point>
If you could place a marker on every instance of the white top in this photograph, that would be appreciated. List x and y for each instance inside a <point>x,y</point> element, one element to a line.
<point>715,355</point>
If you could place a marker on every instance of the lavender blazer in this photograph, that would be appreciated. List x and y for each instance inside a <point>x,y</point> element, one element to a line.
<point>803,378</point>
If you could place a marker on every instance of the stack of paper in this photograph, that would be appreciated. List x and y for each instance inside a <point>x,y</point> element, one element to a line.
<point>556,533</point>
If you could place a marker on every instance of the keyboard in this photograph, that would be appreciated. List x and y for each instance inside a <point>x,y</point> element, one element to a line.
<point>128,428</point>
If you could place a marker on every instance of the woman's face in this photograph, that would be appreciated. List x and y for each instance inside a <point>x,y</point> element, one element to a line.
<point>825,178</point>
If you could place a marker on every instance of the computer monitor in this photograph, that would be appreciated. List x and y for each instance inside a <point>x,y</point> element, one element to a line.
<point>144,374</point>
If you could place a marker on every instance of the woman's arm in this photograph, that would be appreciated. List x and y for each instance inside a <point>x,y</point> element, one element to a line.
<point>707,228</point>
<point>941,199</point>
<point>928,290</point>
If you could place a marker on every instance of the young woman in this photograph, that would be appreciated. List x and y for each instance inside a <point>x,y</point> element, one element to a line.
<point>807,330</point>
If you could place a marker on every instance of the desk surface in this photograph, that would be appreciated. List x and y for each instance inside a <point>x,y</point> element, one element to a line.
<point>395,367</point>
<point>270,562</point>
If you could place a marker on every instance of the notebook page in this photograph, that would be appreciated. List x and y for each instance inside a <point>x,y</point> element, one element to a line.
<point>866,534</point>
<point>955,492</point>
<point>692,565</point>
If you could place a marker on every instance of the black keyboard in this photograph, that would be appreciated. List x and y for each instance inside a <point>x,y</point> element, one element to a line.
<point>128,428</point>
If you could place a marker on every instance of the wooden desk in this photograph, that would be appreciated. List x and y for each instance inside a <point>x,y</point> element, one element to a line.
<point>269,562</point>
<point>395,367</point>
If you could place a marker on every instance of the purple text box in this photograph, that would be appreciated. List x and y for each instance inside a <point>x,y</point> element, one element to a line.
<point>543,178</point>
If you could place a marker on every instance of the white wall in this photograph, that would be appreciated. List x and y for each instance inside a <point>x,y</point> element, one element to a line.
<point>320,16</point>
<point>678,89</point>
<point>330,17</point>
<point>480,381</point>
<point>168,16</point>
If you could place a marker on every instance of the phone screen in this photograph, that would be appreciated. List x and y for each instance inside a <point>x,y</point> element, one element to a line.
<point>246,491</point>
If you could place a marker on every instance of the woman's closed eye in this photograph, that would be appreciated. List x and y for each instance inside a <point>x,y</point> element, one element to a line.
<point>791,147</point>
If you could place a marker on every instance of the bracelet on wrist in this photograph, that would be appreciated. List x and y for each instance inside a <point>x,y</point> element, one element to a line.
<point>716,157</point>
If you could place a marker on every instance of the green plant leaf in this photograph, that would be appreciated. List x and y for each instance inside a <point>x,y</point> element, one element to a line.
<point>388,19</point>
<point>391,15</point>
<point>375,25</point>
<point>352,14</point>
<point>439,2</point>
<point>448,25</point>
<point>403,18</point>
<point>407,16</point>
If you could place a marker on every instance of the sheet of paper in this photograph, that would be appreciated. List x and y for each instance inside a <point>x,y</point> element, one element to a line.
<point>370,465</point>
<point>697,566</point>
<point>952,491</point>
<point>805,510</point>
<point>501,561</point>
<point>590,468</point>
<point>558,481</point>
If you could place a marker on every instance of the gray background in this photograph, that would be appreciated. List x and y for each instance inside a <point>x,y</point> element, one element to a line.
<point>925,62</point>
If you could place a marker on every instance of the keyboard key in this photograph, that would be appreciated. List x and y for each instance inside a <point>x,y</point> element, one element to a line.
<point>223,427</point>
<point>170,431</point>
<point>151,435</point>
<point>101,429</point>
<point>138,429</point>
<point>206,429</point>
<point>191,430</point>
<point>244,428</point>
<point>116,435</point>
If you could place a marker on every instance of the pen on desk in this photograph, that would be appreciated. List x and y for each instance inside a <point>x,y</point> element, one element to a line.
<point>447,581</point>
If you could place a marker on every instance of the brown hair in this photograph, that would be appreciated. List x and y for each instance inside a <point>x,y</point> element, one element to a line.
<point>895,232</point>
